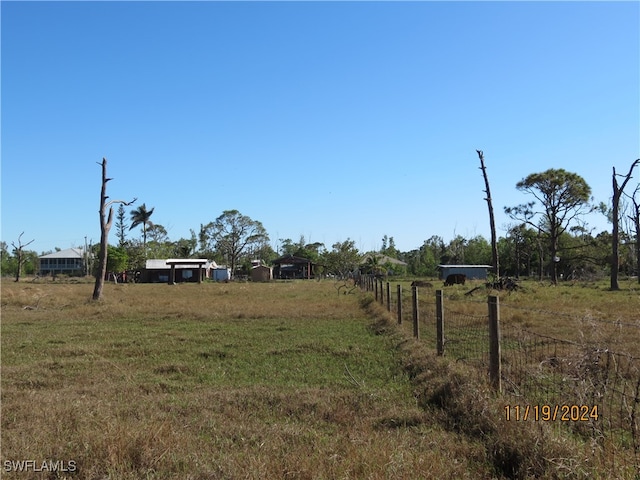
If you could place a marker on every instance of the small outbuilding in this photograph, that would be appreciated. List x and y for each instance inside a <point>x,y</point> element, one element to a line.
<point>221,273</point>
<point>472,272</point>
<point>261,273</point>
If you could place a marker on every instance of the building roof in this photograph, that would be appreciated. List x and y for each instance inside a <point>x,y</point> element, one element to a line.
<point>291,260</point>
<point>382,259</point>
<point>162,264</point>
<point>465,266</point>
<point>187,261</point>
<point>68,253</point>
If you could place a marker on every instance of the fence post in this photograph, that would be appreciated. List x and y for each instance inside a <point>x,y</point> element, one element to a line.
<point>495,368</point>
<point>414,297</point>
<point>388,298</point>
<point>375,287</point>
<point>399,292</point>
<point>439,323</point>
<point>381,291</point>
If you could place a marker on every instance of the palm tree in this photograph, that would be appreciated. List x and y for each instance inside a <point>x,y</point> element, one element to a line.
<point>373,264</point>
<point>140,216</point>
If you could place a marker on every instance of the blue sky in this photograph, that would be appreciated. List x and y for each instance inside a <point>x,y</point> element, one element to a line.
<point>331,120</point>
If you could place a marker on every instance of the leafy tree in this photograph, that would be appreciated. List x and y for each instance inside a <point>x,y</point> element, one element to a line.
<point>158,243</point>
<point>436,245</point>
<point>184,247</point>
<point>121,226</point>
<point>389,247</point>
<point>518,250</point>
<point>265,253</point>
<point>455,251</point>
<point>424,261</point>
<point>478,251</point>
<point>136,258</point>
<point>287,247</point>
<point>343,259</point>
<point>308,250</point>
<point>157,233</point>
<point>117,259</point>
<point>204,246</point>
<point>301,248</point>
<point>562,196</point>
<point>413,259</point>
<point>7,261</point>
<point>141,216</point>
<point>233,234</point>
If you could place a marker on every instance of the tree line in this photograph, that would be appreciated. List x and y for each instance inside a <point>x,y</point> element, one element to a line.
<point>549,237</point>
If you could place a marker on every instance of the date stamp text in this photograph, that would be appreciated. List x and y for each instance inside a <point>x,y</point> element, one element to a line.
<point>551,413</point>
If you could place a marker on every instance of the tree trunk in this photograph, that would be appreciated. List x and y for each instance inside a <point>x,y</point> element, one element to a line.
<point>554,263</point>
<point>636,222</point>
<point>20,255</point>
<point>517,245</point>
<point>105,225</point>
<point>492,223</point>
<point>19,269</point>
<point>541,259</point>
<point>615,233</point>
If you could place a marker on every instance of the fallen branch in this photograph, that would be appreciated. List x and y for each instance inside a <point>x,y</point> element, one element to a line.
<point>31,307</point>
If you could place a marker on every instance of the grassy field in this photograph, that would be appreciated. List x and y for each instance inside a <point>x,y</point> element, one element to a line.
<point>574,344</point>
<point>281,380</point>
<point>240,380</point>
<point>585,312</point>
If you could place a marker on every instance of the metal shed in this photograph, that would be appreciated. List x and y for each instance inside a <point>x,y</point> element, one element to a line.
<point>221,274</point>
<point>472,272</point>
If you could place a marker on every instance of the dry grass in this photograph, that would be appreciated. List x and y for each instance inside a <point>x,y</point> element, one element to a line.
<point>278,380</point>
<point>583,312</point>
<point>460,400</point>
<point>571,344</point>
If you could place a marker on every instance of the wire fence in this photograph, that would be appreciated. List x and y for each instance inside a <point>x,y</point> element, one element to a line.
<point>584,385</point>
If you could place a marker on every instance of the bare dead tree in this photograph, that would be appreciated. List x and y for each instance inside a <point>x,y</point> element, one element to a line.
<point>106,220</point>
<point>20,255</point>
<point>615,218</point>
<point>494,238</point>
<point>635,218</point>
